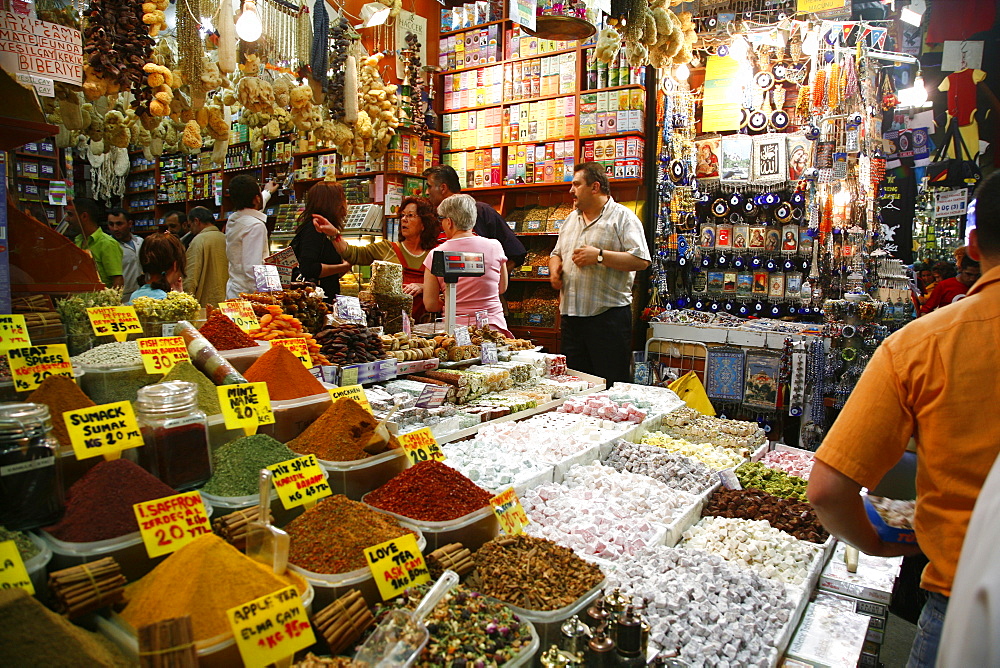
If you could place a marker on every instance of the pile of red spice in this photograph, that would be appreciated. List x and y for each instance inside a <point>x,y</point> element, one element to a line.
<point>99,505</point>
<point>224,334</point>
<point>285,375</point>
<point>430,492</point>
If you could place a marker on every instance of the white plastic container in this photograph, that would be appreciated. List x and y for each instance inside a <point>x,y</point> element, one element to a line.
<point>108,385</point>
<point>292,417</point>
<point>242,359</point>
<point>37,566</point>
<point>356,478</point>
<point>219,435</point>
<point>223,505</point>
<point>525,656</point>
<point>472,530</point>
<point>547,622</point>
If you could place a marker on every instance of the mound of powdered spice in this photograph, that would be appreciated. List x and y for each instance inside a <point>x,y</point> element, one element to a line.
<point>60,394</point>
<point>208,395</point>
<point>99,505</point>
<point>236,465</point>
<point>284,374</point>
<point>331,537</point>
<point>430,492</point>
<point>339,434</point>
<point>225,334</point>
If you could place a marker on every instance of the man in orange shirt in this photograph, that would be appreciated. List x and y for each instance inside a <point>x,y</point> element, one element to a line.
<point>935,380</point>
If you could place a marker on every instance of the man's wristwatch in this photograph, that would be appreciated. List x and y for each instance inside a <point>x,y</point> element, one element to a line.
<point>600,256</point>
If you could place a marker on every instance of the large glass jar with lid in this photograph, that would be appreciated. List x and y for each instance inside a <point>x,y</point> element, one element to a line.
<point>175,433</point>
<point>30,489</point>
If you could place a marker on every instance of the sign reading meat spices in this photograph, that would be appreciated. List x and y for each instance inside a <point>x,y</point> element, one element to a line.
<point>300,482</point>
<point>30,366</point>
<point>245,406</point>
<point>13,332</point>
<point>240,312</point>
<point>355,392</point>
<point>421,446</point>
<point>159,355</point>
<point>170,523</point>
<point>397,564</point>
<point>12,571</point>
<point>271,628</point>
<point>507,507</point>
<point>298,348</point>
<point>119,321</point>
<point>103,430</point>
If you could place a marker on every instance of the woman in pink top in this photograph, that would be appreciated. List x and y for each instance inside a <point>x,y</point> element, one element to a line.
<point>482,293</point>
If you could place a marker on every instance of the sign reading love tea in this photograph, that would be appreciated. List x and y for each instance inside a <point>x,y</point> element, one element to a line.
<point>397,564</point>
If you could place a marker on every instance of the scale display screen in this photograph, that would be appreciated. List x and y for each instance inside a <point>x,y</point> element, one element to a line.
<point>455,264</point>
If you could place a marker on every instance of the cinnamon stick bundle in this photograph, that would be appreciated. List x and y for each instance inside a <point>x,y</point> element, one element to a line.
<point>343,621</point>
<point>233,527</point>
<point>453,556</point>
<point>168,644</point>
<point>88,587</point>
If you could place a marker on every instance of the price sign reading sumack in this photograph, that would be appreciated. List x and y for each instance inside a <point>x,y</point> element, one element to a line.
<point>421,446</point>
<point>159,355</point>
<point>119,321</point>
<point>271,628</point>
<point>300,482</point>
<point>12,570</point>
<point>245,406</point>
<point>298,347</point>
<point>240,312</point>
<point>103,430</point>
<point>397,564</point>
<point>170,523</point>
<point>13,332</point>
<point>30,366</point>
<point>355,392</point>
<point>507,507</point>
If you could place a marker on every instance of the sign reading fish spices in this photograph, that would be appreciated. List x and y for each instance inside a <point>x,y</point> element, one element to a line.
<point>246,406</point>
<point>103,430</point>
<point>355,392</point>
<point>119,321</point>
<point>421,446</point>
<point>299,482</point>
<point>271,628</point>
<point>12,571</point>
<point>298,347</point>
<point>160,354</point>
<point>507,507</point>
<point>13,332</point>
<point>41,48</point>
<point>30,366</point>
<point>170,523</point>
<point>240,312</point>
<point>397,564</point>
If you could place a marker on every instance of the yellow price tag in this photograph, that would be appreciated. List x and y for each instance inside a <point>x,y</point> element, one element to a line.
<point>271,628</point>
<point>421,446</point>
<point>298,348</point>
<point>159,355</point>
<point>246,406</point>
<point>397,564</point>
<point>119,321</point>
<point>170,523</point>
<point>507,507</point>
<point>12,570</point>
<point>300,482</point>
<point>30,366</point>
<point>103,430</point>
<point>355,392</point>
<point>13,332</point>
<point>240,312</point>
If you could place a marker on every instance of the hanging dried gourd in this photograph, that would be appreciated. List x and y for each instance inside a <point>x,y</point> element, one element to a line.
<point>226,24</point>
<point>350,90</point>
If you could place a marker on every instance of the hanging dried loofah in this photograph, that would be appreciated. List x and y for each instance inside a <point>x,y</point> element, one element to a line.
<point>225,23</point>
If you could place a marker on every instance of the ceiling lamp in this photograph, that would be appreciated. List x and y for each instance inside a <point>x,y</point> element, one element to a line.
<point>373,14</point>
<point>915,96</point>
<point>681,73</point>
<point>248,26</point>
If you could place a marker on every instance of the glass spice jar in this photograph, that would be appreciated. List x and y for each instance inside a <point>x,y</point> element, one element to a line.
<point>30,489</point>
<point>175,433</point>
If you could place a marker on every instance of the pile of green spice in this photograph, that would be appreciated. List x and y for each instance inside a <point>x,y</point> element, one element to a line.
<point>533,572</point>
<point>208,395</point>
<point>331,537</point>
<point>466,629</point>
<point>754,475</point>
<point>430,492</point>
<point>24,544</point>
<point>236,465</point>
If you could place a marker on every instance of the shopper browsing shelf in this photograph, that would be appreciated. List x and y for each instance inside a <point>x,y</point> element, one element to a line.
<point>177,224</point>
<point>163,266</point>
<point>207,265</point>
<point>418,233</point>
<point>120,227</point>
<point>442,182</point>
<point>930,380</point>
<point>600,247</point>
<point>319,261</point>
<point>83,218</point>
<point>246,234</point>
<point>472,294</point>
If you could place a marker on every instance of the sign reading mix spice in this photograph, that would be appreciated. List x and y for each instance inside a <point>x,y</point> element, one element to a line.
<point>271,628</point>
<point>170,523</point>
<point>397,564</point>
<point>159,355</point>
<point>30,366</point>
<point>12,571</point>
<point>119,321</point>
<point>300,482</point>
<point>421,446</point>
<point>103,430</point>
<point>13,332</point>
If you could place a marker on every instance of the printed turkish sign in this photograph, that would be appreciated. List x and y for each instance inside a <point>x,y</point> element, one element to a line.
<point>507,507</point>
<point>12,570</point>
<point>246,406</point>
<point>119,321</point>
<point>396,565</point>
<point>159,355</point>
<point>240,312</point>
<point>951,203</point>
<point>30,46</point>
<point>271,628</point>
<point>170,523</point>
<point>355,392</point>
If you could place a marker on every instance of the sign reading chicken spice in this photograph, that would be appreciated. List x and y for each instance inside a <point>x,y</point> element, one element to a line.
<point>396,565</point>
<point>355,392</point>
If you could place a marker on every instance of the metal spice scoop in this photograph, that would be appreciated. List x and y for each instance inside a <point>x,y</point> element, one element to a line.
<point>400,637</point>
<point>379,441</point>
<point>266,543</point>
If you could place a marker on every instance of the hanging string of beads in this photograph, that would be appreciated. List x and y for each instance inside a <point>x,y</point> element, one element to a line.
<point>189,45</point>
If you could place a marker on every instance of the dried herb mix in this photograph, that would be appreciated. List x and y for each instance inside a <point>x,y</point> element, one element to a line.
<point>236,465</point>
<point>332,536</point>
<point>430,492</point>
<point>99,505</point>
<point>25,547</point>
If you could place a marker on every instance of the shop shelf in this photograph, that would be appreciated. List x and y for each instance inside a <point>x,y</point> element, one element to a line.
<point>478,26</point>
